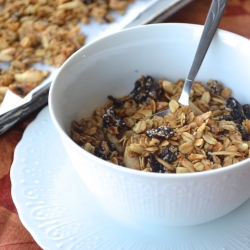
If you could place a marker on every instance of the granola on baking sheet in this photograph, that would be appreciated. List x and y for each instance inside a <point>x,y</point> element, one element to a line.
<point>44,31</point>
<point>215,135</point>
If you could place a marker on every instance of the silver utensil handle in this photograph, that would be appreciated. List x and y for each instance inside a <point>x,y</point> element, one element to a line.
<point>212,21</point>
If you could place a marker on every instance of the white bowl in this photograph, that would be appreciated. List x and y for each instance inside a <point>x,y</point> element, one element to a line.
<point>110,66</point>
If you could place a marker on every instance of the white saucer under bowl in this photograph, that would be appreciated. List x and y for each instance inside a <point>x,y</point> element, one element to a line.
<point>60,213</point>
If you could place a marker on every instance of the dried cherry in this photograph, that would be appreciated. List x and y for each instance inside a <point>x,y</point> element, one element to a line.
<point>246,110</point>
<point>146,87</point>
<point>236,115</point>
<point>169,154</point>
<point>244,134</point>
<point>155,166</point>
<point>110,118</point>
<point>160,133</point>
<point>104,150</point>
<point>117,103</point>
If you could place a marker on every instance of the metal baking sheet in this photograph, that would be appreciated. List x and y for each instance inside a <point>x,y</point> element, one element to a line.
<point>139,13</point>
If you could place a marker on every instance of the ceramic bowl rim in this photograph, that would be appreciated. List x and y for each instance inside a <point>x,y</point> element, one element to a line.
<point>113,166</point>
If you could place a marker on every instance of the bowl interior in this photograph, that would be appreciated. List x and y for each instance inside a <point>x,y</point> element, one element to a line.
<point>111,65</point>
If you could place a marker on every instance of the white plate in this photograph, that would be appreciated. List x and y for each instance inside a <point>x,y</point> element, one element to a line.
<point>60,213</point>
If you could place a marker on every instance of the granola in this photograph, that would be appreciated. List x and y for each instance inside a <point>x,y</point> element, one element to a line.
<point>124,132</point>
<point>44,31</point>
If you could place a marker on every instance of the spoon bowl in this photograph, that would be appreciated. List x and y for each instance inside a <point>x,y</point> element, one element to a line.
<point>212,21</point>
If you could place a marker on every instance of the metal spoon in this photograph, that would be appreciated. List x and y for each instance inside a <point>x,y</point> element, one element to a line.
<point>212,21</point>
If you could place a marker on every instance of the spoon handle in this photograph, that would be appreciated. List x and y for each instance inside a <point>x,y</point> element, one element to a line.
<point>212,21</point>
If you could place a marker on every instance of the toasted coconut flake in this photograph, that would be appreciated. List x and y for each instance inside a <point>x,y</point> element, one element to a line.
<point>209,138</point>
<point>137,148</point>
<point>173,105</point>
<point>194,157</point>
<point>186,148</point>
<point>187,164</point>
<point>226,153</point>
<point>182,170</point>
<point>131,159</point>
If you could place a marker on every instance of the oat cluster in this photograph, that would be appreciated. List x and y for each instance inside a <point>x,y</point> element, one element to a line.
<point>44,31</point>
<point>212,133</point>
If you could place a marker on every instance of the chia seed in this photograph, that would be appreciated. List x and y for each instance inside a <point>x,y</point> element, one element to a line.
<point>209,156</point>
<point>17,15</point>
<point>215,87</point>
